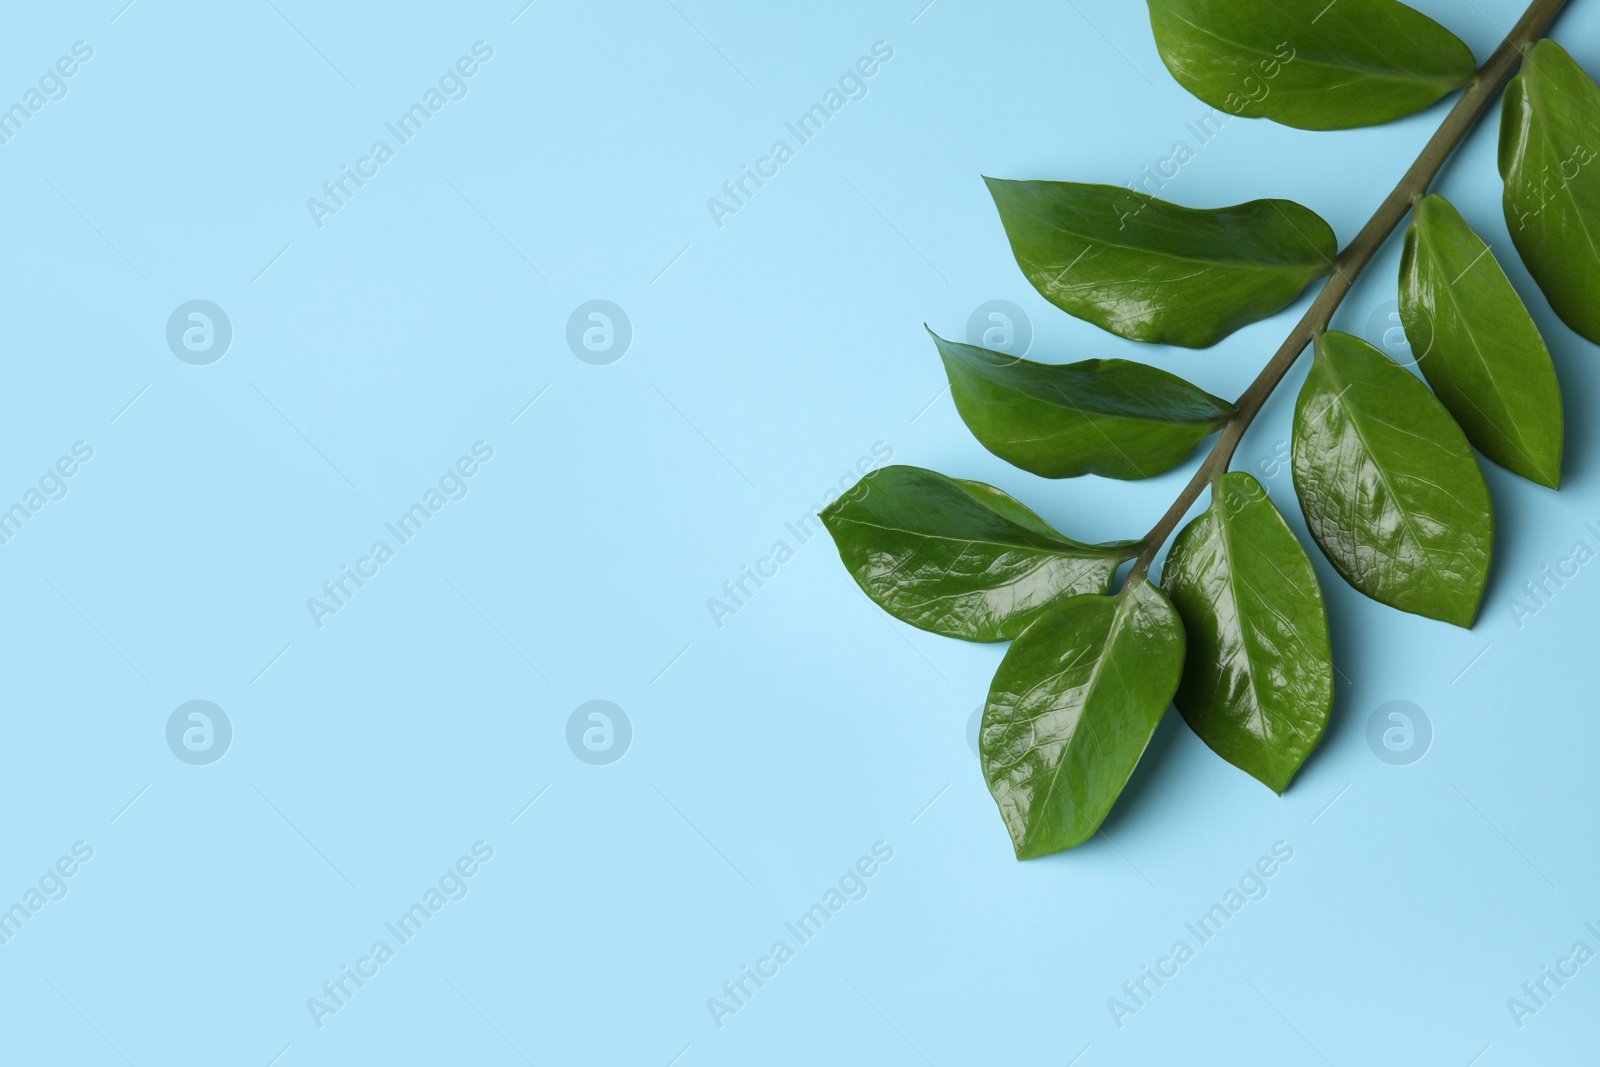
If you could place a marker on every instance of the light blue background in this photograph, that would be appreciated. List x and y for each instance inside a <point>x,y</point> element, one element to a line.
<point>769,356</point>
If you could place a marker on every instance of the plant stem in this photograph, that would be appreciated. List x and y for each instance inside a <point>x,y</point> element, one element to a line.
<point>1482,91</point>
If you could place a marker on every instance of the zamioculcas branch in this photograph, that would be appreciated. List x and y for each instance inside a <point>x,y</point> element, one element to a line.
<point>1236,633</point>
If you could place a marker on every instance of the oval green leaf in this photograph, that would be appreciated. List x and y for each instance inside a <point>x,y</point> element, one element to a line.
<point>960,558</point>
<point>1477,345</point>
<point>1550,160</point>
<point>1152,271</point>
<point>1311,64</point>
<point>1258,678</point>
<point>1388,484</point>
<point>1071,709</point>
<point>1111,417</point>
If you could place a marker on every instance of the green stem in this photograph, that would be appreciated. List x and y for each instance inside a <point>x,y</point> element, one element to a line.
<point>1483,90</point>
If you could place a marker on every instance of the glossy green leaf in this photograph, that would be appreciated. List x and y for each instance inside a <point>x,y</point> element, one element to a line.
<point>1071,709</point>
<point>960,558</point>
<point>1111,417</point>
<point>1258,679</point>
<point>1152,271</point>
<point>1477,345</point>
<point>1550,160</point>
<point>1389,485</point>
<point>1310,63</point>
